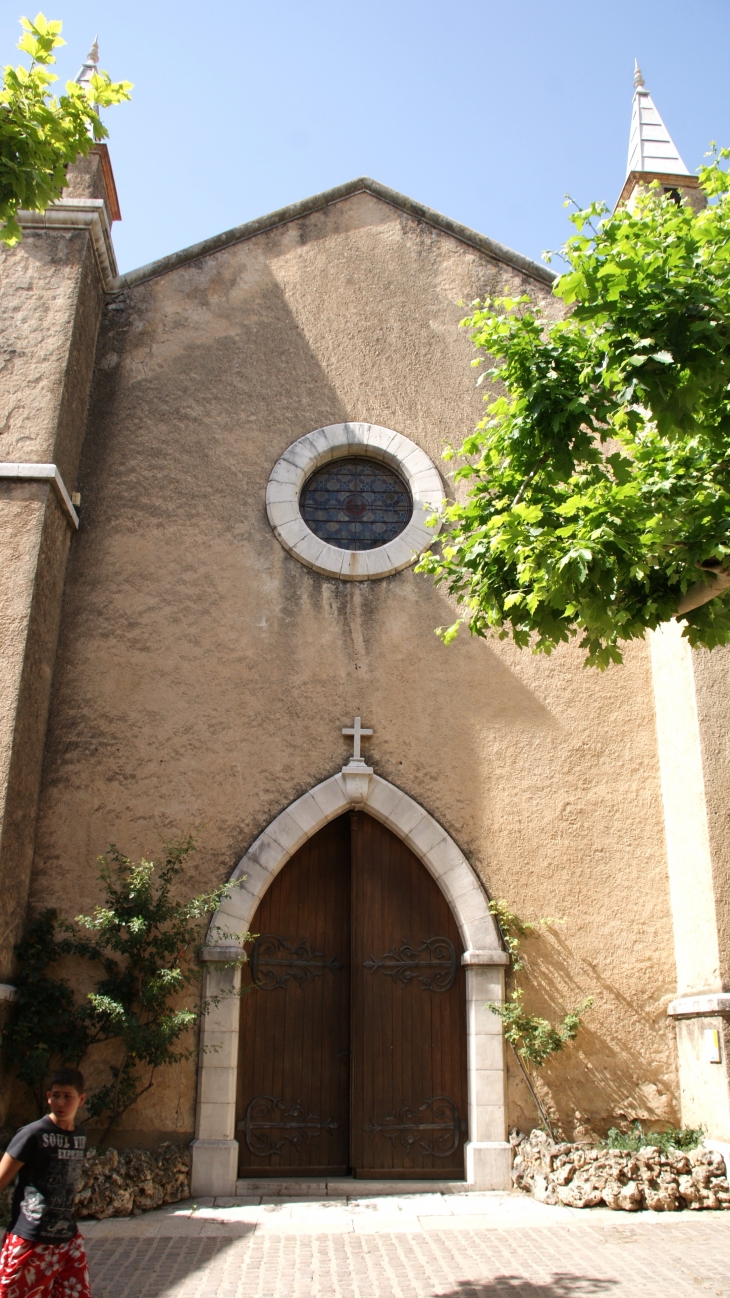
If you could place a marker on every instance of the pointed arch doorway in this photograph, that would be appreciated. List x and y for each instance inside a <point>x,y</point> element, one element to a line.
<point>215,1149</point>
<point>353,1033</point>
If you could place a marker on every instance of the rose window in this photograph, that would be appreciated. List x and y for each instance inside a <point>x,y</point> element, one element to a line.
<point>356,504</point>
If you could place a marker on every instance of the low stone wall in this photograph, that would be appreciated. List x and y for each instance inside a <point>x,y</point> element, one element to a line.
<point>117,1185</point>
<point>582,1176</point>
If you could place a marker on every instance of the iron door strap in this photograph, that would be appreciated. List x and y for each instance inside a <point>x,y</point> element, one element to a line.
<point>410,1126</point>
<point>433,964</point>
<point>267,1115</point>
<point>274,960</point>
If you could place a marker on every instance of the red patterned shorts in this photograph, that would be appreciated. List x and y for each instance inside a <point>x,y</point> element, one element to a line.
<point>43,1270</point>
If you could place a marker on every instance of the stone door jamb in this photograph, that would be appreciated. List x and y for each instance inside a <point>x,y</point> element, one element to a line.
<point>215,1148</point>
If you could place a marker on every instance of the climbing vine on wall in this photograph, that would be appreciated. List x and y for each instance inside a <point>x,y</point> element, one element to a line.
<point>532,1038</point>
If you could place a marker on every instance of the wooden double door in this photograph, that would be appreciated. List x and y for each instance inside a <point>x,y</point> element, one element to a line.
<point>353,1021</point>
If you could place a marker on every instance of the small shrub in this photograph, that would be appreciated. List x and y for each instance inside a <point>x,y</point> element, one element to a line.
<point>637,1138</point>
<point>143,960</point>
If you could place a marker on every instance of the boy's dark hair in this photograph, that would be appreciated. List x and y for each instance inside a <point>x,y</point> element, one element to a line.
<point>68,1077</point>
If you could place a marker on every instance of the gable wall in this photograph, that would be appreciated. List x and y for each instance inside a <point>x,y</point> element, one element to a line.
<point>204,675</point>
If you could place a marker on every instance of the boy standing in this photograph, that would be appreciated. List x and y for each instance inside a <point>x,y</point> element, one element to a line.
<point>43,1254</point>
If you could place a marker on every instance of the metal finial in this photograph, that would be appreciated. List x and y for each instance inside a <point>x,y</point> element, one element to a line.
<point>93,54</point>
<point>638,78</point>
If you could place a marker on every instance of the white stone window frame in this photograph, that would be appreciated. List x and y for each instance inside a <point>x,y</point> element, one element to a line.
<point>340,441</point>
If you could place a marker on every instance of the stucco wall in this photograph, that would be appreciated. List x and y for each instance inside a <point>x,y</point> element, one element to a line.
<point>50,302</point>
<point>204,675</point>
<point>34,539</point>
<point>711,672</point>
<point>713,715</point>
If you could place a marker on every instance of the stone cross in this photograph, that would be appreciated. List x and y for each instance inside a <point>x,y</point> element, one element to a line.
<point>357,731</point>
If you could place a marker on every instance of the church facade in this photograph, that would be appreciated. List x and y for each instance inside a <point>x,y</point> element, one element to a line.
<point>215,476</point>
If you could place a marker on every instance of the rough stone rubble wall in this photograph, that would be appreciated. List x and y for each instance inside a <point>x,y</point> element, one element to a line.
<point>117,1185</point>
<point>580,1176</point>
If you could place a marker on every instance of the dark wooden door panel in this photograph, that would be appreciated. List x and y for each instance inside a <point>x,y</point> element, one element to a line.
<point>294,1063</point>
<point>356,948</point>
<point>408,1015</point>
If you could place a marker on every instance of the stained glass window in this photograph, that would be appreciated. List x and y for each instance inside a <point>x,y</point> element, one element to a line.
<point>356,504</point>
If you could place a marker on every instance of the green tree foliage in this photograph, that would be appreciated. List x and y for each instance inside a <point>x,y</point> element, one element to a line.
<point>599,481</point>
<point>40,134</point>
<point>148,938</point>
<point>532,1038</point>
<point>45,1023</point>
<point>145,941</point>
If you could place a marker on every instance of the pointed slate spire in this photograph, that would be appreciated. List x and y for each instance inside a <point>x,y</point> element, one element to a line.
<point>653,156</point>
<point>87,69</point>
<point>651,147</point>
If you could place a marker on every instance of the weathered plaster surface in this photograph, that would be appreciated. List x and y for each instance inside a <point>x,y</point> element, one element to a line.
<point>713,716</point>
<point>49,310</point>
<point>22,509</point>
<point>711,674</point>
<point>204,675</point>
<point>34,539</point>
<point>44,282</point>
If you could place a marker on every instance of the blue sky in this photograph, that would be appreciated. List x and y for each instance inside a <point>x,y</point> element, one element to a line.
<point>489,112</point>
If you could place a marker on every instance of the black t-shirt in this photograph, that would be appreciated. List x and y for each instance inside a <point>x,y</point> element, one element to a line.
<point>43,1203</point>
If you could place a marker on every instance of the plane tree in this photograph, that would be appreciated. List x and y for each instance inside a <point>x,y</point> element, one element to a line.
<point>595,496</point>
<point>41,133</point>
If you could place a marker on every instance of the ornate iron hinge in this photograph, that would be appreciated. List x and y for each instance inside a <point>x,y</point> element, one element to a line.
<point>268,1113</point>
<point>439,1115</point>
<point>298,961</point>
<point>433,964</point>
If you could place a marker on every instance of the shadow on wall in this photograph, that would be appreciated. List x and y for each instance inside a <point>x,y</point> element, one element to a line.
<point>179,596</point>
<point>562,1285</point>
<point>176,564</point>
<point>597,1079</point>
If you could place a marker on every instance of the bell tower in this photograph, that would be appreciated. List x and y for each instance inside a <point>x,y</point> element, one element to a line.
<point>653,155</point>
<point>52,291</point>
<point>692,711</point>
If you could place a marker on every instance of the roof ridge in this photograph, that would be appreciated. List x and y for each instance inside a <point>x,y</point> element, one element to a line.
<point>317,202</point>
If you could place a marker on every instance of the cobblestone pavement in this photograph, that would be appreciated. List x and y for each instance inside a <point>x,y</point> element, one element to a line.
<point>415,1246</point>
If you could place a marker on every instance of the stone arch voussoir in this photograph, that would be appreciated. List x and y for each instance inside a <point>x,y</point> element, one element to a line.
<point>395,809</point>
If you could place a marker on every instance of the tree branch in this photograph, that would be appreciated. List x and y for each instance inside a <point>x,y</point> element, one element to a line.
<point>529,478</point>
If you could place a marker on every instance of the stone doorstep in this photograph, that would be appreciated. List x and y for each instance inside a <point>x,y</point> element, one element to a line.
<point>343,1187</point>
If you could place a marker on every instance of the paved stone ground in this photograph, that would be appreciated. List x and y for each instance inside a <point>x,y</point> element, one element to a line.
<point>415,1246</point>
